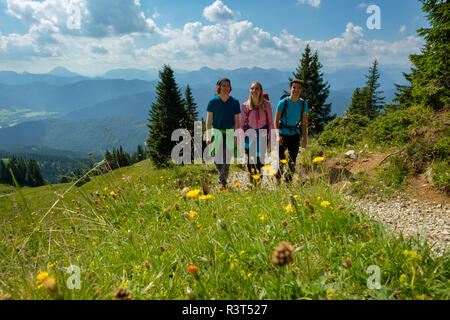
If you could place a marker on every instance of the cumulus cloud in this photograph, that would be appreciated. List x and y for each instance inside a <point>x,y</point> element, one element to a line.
<point>98,50</point>
<point>218,12</point>
<point>312,3</point>
<point>402,29</point>
<point>98,34</point>
<point>93,18</point>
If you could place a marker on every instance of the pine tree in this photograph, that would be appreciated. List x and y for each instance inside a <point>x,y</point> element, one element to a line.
<point>403,96</point>
<point>108,158</point>
<point>191,109</point>
<point>4,174</point>
<point>34,176</point>
<point>358,104</point>
<point>430,77</point>
<point>167,114</point>
<point>139,155</point>
<point>374,102</point>
<point>315,91</point>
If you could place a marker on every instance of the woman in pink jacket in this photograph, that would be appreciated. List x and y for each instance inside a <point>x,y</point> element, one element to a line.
<point>257,123</point>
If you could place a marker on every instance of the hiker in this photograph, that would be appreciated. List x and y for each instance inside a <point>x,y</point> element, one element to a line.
<point>223,113</point>
<point>292,125</point>
<point>256,116</point>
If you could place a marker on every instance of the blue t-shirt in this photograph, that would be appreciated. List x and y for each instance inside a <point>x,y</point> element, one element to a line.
<point>223,112</point>
<point>292,116</point>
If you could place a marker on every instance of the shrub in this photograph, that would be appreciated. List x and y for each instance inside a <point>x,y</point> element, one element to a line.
<point>393,127</point>
<point>343,131</point>
<point>440,175</point>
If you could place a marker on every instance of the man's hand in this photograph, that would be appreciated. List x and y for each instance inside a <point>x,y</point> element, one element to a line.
<point>280,140</point>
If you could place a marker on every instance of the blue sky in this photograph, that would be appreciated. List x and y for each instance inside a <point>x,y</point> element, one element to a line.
<point>94,36</point>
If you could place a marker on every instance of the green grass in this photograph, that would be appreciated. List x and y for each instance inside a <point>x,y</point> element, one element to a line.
<point>136,238</point>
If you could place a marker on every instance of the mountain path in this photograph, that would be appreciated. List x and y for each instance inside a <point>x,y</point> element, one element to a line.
<point>420,210</point>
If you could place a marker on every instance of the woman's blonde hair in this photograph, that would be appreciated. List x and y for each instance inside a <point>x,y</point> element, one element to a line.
<point>261,102</point>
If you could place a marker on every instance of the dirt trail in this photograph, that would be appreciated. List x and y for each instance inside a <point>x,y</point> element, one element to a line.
<point>421,209</point>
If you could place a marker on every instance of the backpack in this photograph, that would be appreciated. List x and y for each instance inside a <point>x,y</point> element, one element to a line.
<point>298,125</point>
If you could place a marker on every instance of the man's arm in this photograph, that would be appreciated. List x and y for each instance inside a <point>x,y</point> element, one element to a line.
<point>276,126</point>
<point>305,130</point>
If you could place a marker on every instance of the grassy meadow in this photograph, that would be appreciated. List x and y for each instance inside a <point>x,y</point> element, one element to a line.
<point>138,233</point>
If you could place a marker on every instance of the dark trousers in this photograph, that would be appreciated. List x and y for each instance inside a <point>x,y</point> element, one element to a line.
<point>255,164</point>
<point>292,145</point>
<point>223,160</point>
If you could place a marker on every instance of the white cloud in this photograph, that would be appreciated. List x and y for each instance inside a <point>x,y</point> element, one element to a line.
<point>93,18</point>
<point>100,35</point>
<point>312,3</point>
<point>218,12</point>
<point>402,29</point>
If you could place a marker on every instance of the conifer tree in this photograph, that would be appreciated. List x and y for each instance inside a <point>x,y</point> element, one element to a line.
<point>403,96</point>
<point>374,101</point>
<point>166,115</point>
<point>430,77</point>
<point>139,155</point>
<point>315,91</point>
<point>108,158</point>
<point>191,109</point>
<point>359,99</point>
<point>34,175</point>
<point>4,174</point>
<point>367,101</point>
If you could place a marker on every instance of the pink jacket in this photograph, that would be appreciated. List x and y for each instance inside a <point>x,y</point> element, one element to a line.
<point>256,118</point>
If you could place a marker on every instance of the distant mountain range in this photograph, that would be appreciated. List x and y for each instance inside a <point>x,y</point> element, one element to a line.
<point>90,135</point>
<point>94,114</point>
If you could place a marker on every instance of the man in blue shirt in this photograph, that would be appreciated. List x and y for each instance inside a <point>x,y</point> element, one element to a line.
<point>287,119</point>
<point>223,113</point>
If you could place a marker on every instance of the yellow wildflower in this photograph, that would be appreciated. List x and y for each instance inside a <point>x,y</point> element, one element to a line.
<point>256,176</point>
<point>318,159</point>
<point>262,218</point>
<point>198,226</point>
<point>193,194</point>
<point>206,197</point>
<point>192,214</point>
<point>112,193</point>
<point>105,188</point>
<point>318,197</point>
<point>284,161</point>
<point>325,204</point>
<point>49,284</point>
<point>267,167</point>
<point>289,208</point>
<point>421,297</point>
<point>330,294</point>
<point>403,278</point>
<point>42,276</point>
